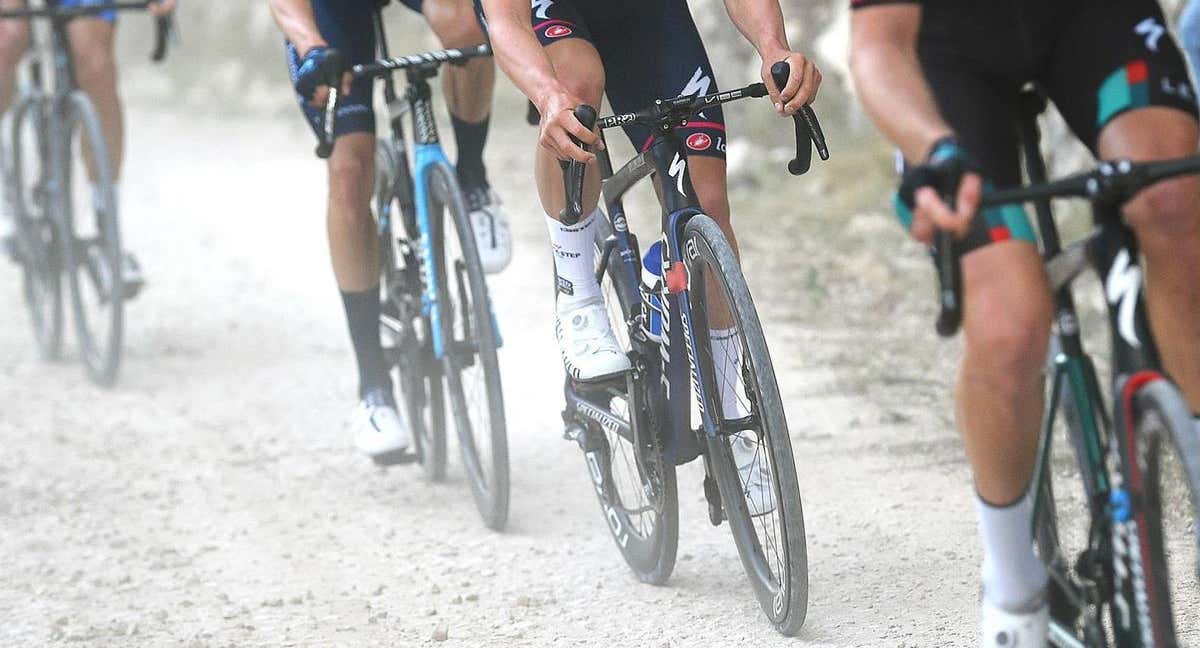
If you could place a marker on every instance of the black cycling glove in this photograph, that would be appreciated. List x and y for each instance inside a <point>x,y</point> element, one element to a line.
<point>943,169</point>
<point>321,66</point>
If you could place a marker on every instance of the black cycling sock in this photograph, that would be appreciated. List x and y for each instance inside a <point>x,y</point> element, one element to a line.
<point>362,316</point>
<point>471,138</point>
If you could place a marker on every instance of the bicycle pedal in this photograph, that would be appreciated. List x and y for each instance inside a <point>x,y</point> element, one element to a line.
<point>395,458</point>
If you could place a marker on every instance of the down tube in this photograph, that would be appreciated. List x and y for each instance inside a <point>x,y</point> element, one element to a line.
<point>425,157</point>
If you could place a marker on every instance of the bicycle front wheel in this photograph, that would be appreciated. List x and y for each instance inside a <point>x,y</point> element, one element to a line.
<point>469,339</point>
<point>94,257</point>
<point>751,449</point>
<point>1157,597</point>
<point>38,238</point>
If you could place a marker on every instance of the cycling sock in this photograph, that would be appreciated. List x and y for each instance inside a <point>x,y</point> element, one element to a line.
<point>575,257</point>
<point>471,138</point>
<point>1013,577</point>
<point>362,316</point>
<point>727,364</point>
<point>116,192</point>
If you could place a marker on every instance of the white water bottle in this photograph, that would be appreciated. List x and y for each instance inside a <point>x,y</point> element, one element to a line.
<point>652,310</point>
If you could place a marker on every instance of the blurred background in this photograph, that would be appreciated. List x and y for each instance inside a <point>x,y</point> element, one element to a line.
<point>211,498</point>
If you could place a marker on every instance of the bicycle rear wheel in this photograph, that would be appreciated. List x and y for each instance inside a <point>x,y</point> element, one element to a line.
<point>636,487</point>
<point>469,338</point>
<point>771,544</point>
<point>38,238</point>
<point>1155,518</point>
<point>94,256</point>
<point>405,328</point>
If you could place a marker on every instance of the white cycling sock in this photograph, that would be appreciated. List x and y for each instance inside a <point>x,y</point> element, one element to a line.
<point>575,257</point>
<point>727,367</point>
<point>116,192</point>
<point>1013,577</point>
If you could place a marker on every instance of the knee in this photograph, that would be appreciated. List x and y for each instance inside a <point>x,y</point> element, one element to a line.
<point>454,24</point>
<point>351,174</point>
<point>14,40</point>
<point>95,66</point>
<point>1006,339</point>
<point>587,84</point>
<point>1165,217</point>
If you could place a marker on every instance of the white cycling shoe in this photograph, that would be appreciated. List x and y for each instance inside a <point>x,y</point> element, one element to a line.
<point>492,235</point>
<point>589,347</point>
<point>754,468</point>
<point>378,432</point>
<point>1004,629</point>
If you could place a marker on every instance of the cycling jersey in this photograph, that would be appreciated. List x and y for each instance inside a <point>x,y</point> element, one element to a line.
<point>347,26</point>
<point>650,49</point>
<point>1095,59</point>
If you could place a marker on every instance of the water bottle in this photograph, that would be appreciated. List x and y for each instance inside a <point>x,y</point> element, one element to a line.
<point>652,310</point>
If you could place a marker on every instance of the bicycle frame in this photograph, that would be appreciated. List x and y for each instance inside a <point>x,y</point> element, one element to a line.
<point>665,159</point>
<point>1113,253</point>
<point>426,153</point>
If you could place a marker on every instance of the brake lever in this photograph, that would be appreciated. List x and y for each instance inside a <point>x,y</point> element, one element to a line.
<point>573,171</point>
<point>164,29</point>
<point>808,129</point>
<point>325,140</point>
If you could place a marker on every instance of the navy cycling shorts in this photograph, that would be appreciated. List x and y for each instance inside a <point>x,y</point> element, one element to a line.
<point>650,50</point>
<point>347,25</point>
<point>107,16</point>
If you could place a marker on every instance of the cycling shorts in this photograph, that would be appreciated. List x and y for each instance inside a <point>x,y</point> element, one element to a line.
<point>1095,59</point>
<point>650,50</point>
<point>107,16</point>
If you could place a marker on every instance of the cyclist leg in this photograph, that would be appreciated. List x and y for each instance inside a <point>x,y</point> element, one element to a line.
<point>1122,84</point>
<point>94,60</point>
<point>1006,328</point>
<point>14,40</point>
<point>468,90</point>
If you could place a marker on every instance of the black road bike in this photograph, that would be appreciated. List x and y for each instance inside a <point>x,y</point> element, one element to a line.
<point>1139,461</point>
<point>439,331</point>
<point>634,429</point>
<point>55,148</point>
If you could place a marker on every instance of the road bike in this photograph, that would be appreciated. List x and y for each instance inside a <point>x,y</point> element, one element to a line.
<point>636,427</point>
<point>1140,460</point>
<point>54,151</point>
<point>440,333</point>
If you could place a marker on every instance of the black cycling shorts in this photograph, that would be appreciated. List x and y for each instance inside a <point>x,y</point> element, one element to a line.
<point>347,25</point>
<point>650,50</point>
<point>1095,59</point>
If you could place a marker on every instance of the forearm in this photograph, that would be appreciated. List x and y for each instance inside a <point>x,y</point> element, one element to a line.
<point>295,19</point>
<point>893,89</point>
<point>518,52</point>
<point>761,22</point>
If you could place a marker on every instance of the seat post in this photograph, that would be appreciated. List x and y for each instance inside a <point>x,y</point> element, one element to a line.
<point>1032,103</point>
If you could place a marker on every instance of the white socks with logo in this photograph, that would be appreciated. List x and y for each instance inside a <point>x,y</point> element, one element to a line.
<point>727,367</point>
<point>1013,576</point>
<point>575,258</point>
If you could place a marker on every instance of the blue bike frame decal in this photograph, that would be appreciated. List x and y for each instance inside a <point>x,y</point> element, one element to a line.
<point>424,157</point>
<point>680,374</point>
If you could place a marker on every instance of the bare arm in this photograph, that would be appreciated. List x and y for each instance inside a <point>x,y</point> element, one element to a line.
<point>520,55</point>
<point>888,76</point>
<point>761,22</point>
<point>296,21</point>
<point>889,80</point>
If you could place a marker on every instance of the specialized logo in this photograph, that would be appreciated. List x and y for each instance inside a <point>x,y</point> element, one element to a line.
<point>699,142</point>
<point>1151,30</point>
<point>540,7</point>
<point>1126,545</point>
<point>699,84</point>
<point>676,170</point>
<point>1122,288</point>
<point>557,31</point>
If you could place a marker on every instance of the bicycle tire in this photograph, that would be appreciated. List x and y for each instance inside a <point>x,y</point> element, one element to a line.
<point>469,343</point>
<point>38,237</point>
<point>418,375</point>
<point>649,546</point>
<point>1156,418</point>
<point>783,596</point>
<point>87,261</point>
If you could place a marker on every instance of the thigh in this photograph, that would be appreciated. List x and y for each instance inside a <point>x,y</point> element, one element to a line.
<point>654,51</point>
<point>454,21</point>
<point>92,40</point>
<point>1111,57</point>
<point>347,26</point>
<point>982,109</point>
